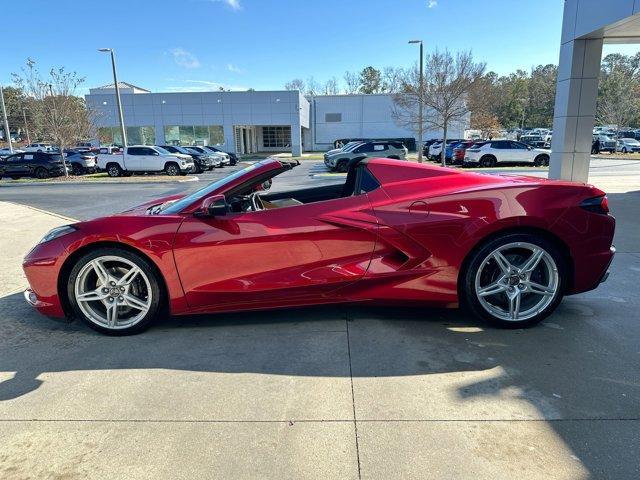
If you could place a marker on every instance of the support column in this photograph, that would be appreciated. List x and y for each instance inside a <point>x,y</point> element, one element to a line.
<point>575,109</point>
<point>296,140</point>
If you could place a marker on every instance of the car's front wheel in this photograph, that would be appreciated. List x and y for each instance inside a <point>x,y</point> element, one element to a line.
<point>342,166</point>
<point>514,281</point>
<point>114,291</point>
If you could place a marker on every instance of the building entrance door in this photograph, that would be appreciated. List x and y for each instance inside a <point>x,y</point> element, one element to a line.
<point>245,139</point>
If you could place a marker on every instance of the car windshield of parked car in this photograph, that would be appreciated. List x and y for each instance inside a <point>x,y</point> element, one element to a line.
<point>193,150</point>
<point>184,202</point>
<point>180,150</point>
<point>162,151</point>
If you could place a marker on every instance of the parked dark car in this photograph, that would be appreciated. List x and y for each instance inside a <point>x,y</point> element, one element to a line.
<point>33,164</point>
<point>201,161</point>
<point>408,142</point>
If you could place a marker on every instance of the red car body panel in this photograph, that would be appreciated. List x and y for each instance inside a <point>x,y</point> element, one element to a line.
<point>405,241</point>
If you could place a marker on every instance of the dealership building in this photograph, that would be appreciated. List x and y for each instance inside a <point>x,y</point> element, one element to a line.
<point>247,122</point>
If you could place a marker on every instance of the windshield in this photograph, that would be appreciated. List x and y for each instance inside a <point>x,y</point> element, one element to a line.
<point>179,149</point>
<point>162,151</point>
<point>184,202</point>
<point>192,150</point>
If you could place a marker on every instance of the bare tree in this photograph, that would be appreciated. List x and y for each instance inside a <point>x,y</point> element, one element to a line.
<point>58,114</point>
<point>331,87</point>
<point>352,82</point>
<point>312,86</point>
<point>618,100</point>
<point>446,86</point>
<point>393,79</point>
<point>296,84</point>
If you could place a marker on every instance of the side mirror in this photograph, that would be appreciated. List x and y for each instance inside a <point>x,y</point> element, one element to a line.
<point>214,206</point>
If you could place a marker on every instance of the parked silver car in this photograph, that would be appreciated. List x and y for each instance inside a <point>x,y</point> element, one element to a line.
<point>386,149</point>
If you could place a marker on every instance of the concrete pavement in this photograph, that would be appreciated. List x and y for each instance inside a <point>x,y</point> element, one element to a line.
<point>339,392</point>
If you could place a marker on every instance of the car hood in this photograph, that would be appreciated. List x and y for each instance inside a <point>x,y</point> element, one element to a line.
<point>143,208</point>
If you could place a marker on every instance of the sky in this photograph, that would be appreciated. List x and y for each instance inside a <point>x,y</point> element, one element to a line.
<point>197,45</point>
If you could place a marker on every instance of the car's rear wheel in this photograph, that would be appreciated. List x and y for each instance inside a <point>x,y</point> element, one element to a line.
<point>488,161</point>
<point>77,169</point>
<point>41,173</point>
<point>114,291</point>
<point>114,170</point>
<point>514,281</point>
<point>541,161</point>
<point>624,149</point>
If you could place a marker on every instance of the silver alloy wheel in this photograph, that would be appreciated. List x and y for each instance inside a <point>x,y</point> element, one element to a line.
<point>517,281</point>
<point>113,292</point>
<point>114,171</point>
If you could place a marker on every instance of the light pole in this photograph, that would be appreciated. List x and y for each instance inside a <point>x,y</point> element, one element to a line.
<point>118,102</point>
<point>6,122</point>
<point>26,127</point>
<point>57,125</point>
<point>420,101</point>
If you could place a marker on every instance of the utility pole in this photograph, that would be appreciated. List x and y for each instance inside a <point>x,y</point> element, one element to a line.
<point>6,122</point>
<point>123,132</point>
<point>420,101</point>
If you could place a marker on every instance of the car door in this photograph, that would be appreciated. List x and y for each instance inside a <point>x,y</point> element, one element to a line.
<point>287,254</point>
<point>520,152</point>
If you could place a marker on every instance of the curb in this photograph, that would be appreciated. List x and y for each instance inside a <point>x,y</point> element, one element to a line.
<point>98,182</point>
<point>53,214</point>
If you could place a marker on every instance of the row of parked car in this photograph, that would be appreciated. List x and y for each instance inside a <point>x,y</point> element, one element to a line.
<point>171,159</point>
<point>486,153</point>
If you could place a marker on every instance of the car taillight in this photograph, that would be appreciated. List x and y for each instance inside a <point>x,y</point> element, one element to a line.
<point>596,205</point>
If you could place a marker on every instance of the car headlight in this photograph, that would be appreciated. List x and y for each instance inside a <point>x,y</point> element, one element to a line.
<point>57,233</point>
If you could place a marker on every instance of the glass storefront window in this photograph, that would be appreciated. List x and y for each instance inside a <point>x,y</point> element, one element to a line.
<point>135,135</point>
<point>194,134</point>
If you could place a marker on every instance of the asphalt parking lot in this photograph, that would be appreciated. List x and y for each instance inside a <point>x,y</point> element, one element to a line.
<point>331,392</point>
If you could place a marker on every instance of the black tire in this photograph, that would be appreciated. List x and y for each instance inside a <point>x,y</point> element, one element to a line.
<point>624,150</point>
<point>41,173</point>
<point>541,161</point>
<point>469,298</point>
<point>77,169</point>
<point>488,161</point>
<point>342,166</point>
<point>198,168</point>
<point>172,169</point>
<point>114,170</point>
<point>150,271</point>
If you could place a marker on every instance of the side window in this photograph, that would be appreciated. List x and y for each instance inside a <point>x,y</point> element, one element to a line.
<point>365,148</point>
<point>498,145</point>
<point>366,181</point>
<point>517,145</point>
<point>135,151</point>
<point>27,156</point>
<point>379,147</point>
<point>15,158</point>
<point>148,151</point>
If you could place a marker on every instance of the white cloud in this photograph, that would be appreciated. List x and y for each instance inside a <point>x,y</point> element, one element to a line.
<point>234,68</point>
<point>185,59</point>
<point>233,4</point>
<point>432,3</point>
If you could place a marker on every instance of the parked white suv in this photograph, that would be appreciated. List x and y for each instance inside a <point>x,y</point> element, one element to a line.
<point>494,152</point>
<point>145,158</point>
<point>39,147</point>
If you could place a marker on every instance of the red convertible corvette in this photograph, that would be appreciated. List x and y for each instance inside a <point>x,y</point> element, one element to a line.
<point>508,248</point>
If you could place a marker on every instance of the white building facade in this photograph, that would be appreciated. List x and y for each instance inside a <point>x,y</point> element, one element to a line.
<point>248,122</point>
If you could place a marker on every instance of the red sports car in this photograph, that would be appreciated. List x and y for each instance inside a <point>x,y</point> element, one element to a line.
<point>506,247</point>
